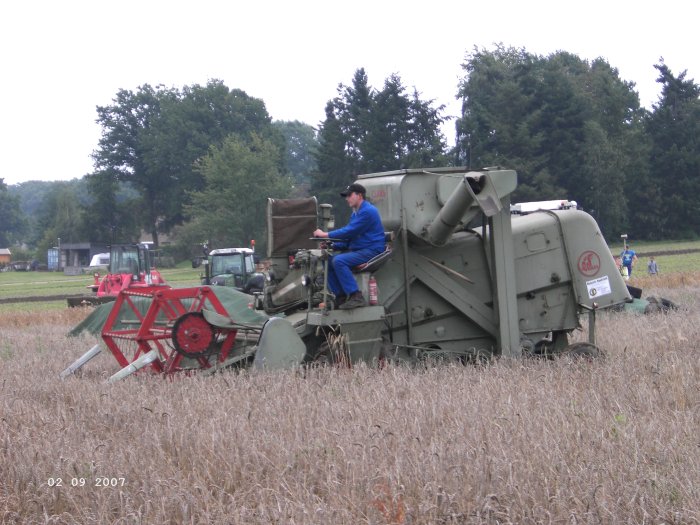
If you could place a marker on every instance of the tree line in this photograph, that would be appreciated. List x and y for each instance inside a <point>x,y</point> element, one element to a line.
<point>198,163</point>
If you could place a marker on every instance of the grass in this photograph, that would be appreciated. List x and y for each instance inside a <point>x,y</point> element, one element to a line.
<point>31,284</point>
<point>27,284</point>
<point>612,441</point>
<point>679,263</point>
<point>670,263</point>
<point>657,246</point>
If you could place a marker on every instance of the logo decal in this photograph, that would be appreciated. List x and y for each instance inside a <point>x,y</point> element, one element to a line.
<point>377,195</point>
<point>589,263</point>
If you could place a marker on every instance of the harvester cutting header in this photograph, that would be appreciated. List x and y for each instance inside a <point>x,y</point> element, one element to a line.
<point>461,278</point>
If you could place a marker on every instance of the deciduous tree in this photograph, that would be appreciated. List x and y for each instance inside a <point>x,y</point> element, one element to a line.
<point>152,138</point>
<point>239,177</point>
<point>13,223</point>
<point>301,145</point>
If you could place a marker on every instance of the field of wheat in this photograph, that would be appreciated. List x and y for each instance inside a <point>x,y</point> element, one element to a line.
<point>528,441</point>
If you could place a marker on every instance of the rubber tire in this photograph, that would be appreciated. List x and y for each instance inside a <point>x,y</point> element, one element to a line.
<point>583,350</point>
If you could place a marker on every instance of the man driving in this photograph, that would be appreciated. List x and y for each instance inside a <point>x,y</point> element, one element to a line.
<point>362,238</point>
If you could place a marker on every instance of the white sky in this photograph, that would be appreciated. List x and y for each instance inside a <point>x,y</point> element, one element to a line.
<point>61,59</point>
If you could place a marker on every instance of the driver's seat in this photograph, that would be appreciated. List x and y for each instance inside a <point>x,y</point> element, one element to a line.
<point>378,260</point>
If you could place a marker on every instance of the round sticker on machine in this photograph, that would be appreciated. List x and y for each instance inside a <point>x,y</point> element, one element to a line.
<point>589,263</point>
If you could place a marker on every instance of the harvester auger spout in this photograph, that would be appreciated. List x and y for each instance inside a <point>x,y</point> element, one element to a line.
<point>477,193</point>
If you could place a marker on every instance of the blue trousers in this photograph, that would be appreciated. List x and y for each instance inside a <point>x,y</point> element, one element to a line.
<point>340,278</point>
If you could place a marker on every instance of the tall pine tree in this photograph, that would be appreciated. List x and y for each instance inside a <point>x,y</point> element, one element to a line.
<point>367,131</point>
<point>674,130</point>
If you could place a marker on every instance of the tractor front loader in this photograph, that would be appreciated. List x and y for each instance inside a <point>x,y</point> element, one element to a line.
<point>130,267</point>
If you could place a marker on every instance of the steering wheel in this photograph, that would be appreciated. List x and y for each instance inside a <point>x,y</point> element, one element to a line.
<point>322,240</point>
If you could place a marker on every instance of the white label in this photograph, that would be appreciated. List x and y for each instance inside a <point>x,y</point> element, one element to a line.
<point>598,287</point>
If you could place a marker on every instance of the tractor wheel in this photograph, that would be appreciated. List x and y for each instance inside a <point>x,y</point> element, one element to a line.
<point>550,347</point>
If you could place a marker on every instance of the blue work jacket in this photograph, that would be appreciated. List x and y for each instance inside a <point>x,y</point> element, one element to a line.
<point>365,230</point>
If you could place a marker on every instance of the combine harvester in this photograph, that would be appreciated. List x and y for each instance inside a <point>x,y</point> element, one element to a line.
<point>461,279</point>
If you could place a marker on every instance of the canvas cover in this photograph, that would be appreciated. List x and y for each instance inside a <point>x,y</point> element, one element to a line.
<point>290,225</point>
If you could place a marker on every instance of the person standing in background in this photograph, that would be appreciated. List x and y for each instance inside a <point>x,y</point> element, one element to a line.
<point>652,267</point>
<point>629,258</point>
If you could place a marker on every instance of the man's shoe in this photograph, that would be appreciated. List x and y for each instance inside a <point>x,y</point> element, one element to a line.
<point>354,301</point>
<point>340,300</point>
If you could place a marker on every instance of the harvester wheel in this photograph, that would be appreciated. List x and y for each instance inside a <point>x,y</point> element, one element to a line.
<point>583,350</point>
<point>192,335</point>
<point>327,356</point>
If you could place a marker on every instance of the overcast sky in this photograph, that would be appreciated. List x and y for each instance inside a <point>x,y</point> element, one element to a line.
<point>61,59</point>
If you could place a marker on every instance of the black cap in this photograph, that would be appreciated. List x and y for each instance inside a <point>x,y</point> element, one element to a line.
<point>354,188</point>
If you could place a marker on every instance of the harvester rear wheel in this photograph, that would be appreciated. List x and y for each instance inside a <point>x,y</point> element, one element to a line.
<point>192,335</point>
<point>583,350</point>
<point>327,356</point>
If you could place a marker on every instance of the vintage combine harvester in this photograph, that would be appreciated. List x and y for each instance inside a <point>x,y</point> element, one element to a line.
<point>461,279</point>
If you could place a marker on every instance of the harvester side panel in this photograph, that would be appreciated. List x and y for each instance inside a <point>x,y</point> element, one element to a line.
<point>545,298</point>
<point>596,279</point>
<point>451,296</point>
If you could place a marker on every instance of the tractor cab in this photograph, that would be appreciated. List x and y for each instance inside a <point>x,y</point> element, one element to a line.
<point>232,267</point>
<point>130,265</point>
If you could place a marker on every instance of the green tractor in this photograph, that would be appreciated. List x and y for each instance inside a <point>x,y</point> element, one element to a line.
<point>234,268</point>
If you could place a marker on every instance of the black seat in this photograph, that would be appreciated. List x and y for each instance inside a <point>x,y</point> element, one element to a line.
<point>374,263</point>
<point>378,260</point>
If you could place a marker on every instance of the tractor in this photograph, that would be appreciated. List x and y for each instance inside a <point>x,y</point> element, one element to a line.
<point>130,266</point>
<point>233,267</point>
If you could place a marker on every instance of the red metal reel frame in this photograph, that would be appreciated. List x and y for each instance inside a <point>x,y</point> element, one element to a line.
<point>155,326</point>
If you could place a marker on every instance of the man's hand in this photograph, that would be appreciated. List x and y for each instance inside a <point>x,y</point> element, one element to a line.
<point>320,234</point>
